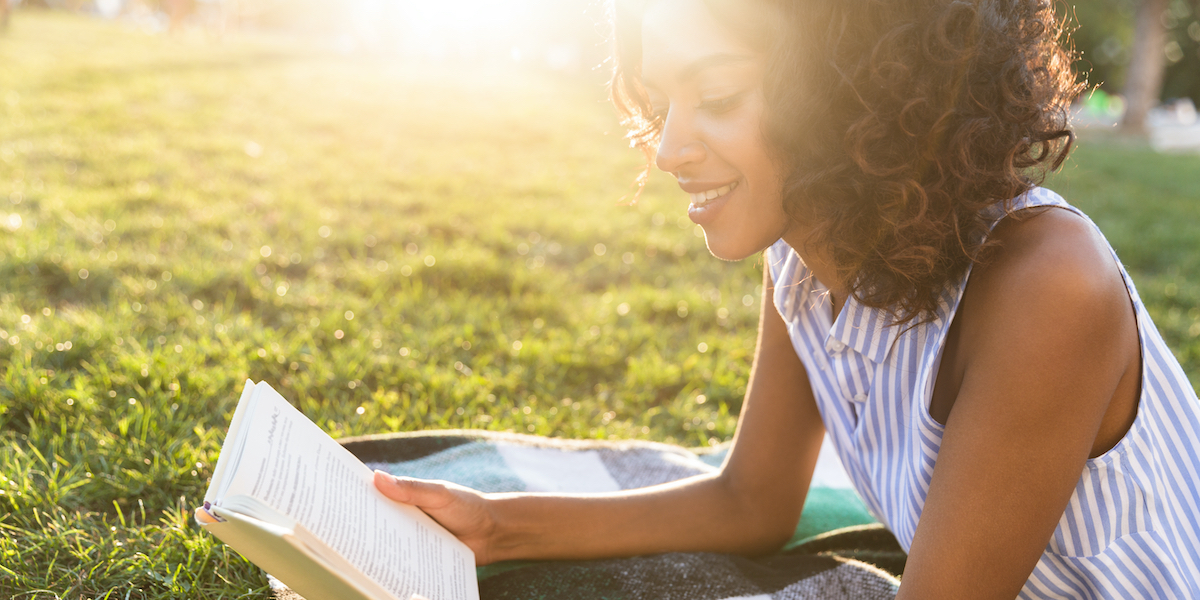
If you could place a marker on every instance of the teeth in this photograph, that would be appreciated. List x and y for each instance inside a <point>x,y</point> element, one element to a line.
<point>702,198</point>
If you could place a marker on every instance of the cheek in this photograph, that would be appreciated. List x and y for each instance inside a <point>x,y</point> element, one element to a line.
<point>740,139</point>
<point>742,150</point>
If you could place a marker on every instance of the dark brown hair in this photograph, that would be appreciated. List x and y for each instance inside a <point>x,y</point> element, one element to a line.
<point>897,122</point>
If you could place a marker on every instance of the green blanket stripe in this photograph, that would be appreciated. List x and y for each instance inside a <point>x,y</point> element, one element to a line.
<point>827,509</point>
<point>502,567</point>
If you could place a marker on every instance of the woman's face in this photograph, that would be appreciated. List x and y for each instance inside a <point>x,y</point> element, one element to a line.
<point>707,85</point>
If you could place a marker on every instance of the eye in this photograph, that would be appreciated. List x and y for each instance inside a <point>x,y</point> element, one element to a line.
<point>720,105</point>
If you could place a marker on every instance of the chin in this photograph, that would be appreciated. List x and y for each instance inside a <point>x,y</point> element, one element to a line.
<point>731,251</point>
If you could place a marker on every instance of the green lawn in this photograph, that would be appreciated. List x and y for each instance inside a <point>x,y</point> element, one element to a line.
<point>393,247</point>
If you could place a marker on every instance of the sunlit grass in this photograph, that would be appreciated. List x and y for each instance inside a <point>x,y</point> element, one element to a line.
<point>394,248</point>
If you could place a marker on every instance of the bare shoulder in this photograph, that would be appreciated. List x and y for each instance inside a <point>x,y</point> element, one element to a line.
<point>1052,266</point>
<point>1040,372</point>
<point>1050,309</point>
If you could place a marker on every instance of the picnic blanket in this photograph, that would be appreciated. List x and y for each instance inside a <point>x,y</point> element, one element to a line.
<point>838,550</point>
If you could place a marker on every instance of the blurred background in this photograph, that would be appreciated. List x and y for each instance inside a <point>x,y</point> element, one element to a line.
<point>1105,37</point>
<point>563,35</point>
<point>403,215</point>
<point>1138,54</point>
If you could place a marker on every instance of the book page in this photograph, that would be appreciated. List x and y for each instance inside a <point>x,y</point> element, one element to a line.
<point>231,449</point>
<point>292,466</point>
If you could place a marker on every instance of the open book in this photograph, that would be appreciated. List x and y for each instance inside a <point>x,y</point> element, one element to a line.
<point>299,505</point>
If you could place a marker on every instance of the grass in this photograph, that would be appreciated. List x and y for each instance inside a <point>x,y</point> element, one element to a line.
<point>394,247</point>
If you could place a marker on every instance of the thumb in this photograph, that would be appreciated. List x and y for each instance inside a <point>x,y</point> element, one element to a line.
<point>416,492</point>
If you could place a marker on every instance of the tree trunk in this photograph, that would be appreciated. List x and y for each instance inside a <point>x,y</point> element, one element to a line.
<point>1143,81</point>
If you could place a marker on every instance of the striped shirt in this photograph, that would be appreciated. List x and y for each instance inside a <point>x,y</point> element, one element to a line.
<point>1132,526</point>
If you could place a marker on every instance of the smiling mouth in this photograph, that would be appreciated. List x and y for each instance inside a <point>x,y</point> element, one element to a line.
<point>699,200</point>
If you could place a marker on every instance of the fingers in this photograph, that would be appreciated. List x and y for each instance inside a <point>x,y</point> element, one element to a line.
<point>412,491</point>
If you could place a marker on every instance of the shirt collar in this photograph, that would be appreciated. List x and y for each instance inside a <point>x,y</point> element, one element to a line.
<point>868,331</point>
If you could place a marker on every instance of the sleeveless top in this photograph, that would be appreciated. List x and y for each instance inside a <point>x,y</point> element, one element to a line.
<point>1132,526</point>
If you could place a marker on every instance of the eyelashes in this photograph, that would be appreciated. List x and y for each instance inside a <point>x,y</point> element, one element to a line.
<point>717,106</point>
<point>721,105</point>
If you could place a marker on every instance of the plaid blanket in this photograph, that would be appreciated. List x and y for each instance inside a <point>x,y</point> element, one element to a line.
<point>837,552</point>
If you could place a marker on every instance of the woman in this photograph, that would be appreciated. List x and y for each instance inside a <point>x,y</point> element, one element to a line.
<point>981,361</point>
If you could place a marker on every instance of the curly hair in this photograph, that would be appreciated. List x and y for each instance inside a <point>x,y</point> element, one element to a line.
<point>897,122</point>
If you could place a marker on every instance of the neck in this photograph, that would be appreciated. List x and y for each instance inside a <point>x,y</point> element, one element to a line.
<point>819,261</point>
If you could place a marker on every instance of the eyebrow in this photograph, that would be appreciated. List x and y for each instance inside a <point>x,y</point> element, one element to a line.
<point>713,60</point>
<point>707,62</point>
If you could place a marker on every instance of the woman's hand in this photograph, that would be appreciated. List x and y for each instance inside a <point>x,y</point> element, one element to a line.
<point>462,511</point>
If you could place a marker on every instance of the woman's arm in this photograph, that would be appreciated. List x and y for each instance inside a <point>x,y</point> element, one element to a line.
<point>1046,374</point>
<point>750,506</point>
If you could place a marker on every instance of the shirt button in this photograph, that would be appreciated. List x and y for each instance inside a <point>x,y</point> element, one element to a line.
<point>860,397</point>
<point>837,345</point>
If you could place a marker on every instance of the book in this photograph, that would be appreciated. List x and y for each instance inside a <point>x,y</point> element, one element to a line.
<point>296,503</point>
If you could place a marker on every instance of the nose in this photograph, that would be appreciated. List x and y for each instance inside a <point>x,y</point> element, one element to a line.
<point>678,145</point>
